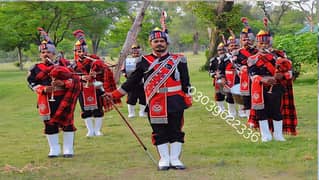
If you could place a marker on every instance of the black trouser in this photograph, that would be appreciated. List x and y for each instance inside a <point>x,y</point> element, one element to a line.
<point>272,104</point>
<point>221,97</point>
<point>247,102</point>
<point>92,113</point>
<point>50,128</point>
<point>170,132</point>
<point>137,93</point>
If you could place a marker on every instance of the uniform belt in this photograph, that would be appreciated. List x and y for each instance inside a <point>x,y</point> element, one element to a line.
<point>170,89</point>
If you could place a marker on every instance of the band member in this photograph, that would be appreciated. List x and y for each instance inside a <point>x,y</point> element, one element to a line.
<point>267,73</point>
<point>57,89</point>
<point>138,92</point>
<point>166,84</point>
<point>218,75</point>
<point>247,49</point>
<point>92,68</point>
<point>288,109</point>
<point>232,71</point>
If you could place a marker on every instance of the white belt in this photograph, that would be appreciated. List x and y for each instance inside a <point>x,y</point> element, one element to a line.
<point>170,89</point>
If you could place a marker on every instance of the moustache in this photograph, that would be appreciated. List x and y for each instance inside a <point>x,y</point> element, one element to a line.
<point>159,46</point>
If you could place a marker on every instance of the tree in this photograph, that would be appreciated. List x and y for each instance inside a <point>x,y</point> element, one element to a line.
<point>274,13</point>
<point>301,49</point>
<point>196,43</point>
<point>219,17</point>
<point>19,22</point>
<point>308,7</point>
<point>104,15</point>
<point>131,38</point>
<point>15,29</point>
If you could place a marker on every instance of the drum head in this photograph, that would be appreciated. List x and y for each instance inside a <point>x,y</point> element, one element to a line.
<point>235,89</point>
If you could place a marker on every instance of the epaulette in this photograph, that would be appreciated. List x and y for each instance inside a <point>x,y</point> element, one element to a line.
<point>183,59</point>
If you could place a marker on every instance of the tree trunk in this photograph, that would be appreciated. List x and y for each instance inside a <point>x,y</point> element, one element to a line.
<point>213,42</point>
<point>196,43</point>
<point>213,35</point>
<point>20,58</point>
<point>130,39</point>
<point>95,45</point>
<point>223,6</point>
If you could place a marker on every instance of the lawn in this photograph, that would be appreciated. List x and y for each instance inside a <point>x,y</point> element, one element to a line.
<point>213,149</point>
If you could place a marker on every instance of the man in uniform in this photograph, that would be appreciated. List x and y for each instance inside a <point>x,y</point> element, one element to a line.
<point>247,49</point>
<point>57,89</point>
<point>266,73</point>
<point>288,110</point>
<point>232,72</point>
<point>166,84</point>
<point>138,92</point>
<point>92,69</point>
<point>218,75</point>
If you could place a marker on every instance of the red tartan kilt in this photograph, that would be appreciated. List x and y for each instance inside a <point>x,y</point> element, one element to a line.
<point>54,106</point>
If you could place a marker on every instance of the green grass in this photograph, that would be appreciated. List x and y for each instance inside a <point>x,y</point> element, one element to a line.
<point>213,149</point>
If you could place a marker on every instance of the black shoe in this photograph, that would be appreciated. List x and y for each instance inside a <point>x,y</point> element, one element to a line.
<point>163,168</point>
<point>178,167</point>
<point>53,156</point>
<point>68,155</point>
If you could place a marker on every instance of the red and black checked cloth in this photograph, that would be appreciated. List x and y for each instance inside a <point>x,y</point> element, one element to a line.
<point>109,85</point>
<point>288,111</point>
<point>105,75</point>
<point>64,115</point>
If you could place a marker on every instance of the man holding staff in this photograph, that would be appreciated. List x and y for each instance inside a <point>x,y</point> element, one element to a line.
<point>166,84</point>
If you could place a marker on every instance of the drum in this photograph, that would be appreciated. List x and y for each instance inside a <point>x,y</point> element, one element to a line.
<point>238,98</point>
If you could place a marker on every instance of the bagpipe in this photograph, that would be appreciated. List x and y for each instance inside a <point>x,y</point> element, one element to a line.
<point>100,73</point>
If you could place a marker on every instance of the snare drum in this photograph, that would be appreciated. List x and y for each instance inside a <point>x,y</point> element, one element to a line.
<point>238,98</point>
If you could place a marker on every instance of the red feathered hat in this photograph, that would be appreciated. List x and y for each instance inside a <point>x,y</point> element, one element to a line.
<point>46,42</point>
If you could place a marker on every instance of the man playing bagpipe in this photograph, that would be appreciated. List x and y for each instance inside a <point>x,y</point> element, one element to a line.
<point>137,93</point>
<point>287,108</point>
<point>247,49</point>
<point>268,74</point>
<point>57,88</point>
<point>166,84</point>
<point>91,68</point>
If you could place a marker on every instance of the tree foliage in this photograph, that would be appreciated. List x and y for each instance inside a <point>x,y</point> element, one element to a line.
<point>300,49</point>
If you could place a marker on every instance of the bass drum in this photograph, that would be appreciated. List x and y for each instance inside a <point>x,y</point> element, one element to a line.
<point>235,91</point>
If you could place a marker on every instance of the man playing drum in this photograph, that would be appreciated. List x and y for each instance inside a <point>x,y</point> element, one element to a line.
<point>247,49</point>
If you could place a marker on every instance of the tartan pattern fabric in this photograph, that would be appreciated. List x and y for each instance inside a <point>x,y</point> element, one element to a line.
<point>64,116</point>
<point>109,86</point>
<point>105,75</point>
<point>44,73</point>
<point>288,112</point>
<point>80,66</point>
